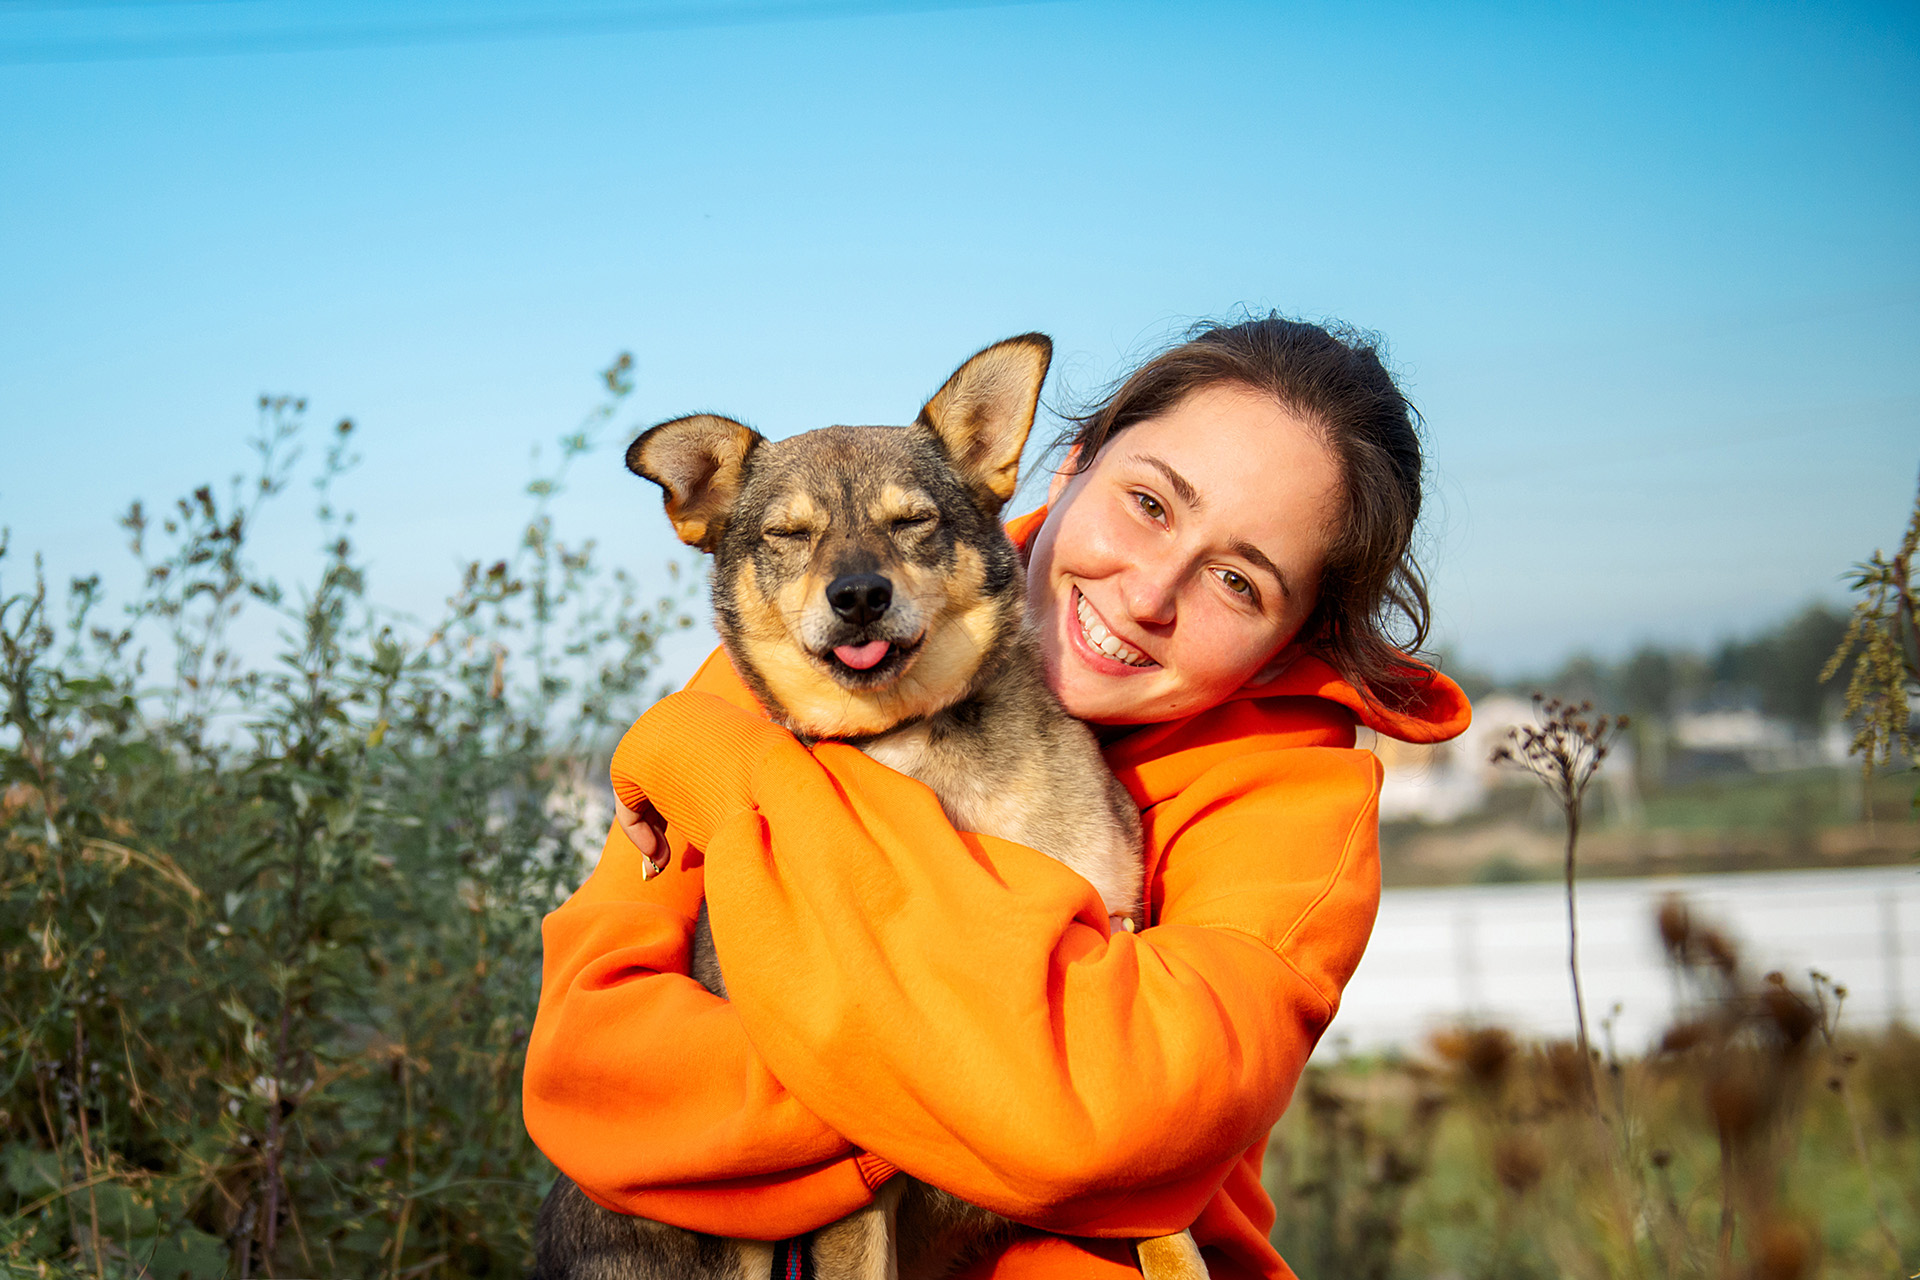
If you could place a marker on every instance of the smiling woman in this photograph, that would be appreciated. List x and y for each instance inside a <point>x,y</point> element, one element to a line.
<point>1215,582</point>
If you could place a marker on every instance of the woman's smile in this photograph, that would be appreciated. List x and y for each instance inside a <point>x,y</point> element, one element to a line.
<point>1100,647</point>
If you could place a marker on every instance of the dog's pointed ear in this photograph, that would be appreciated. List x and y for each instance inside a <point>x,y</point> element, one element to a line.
<point>699,461</point>
<point>983,414</point>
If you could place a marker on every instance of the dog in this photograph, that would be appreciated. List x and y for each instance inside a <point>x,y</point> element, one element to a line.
<point>865,590</point>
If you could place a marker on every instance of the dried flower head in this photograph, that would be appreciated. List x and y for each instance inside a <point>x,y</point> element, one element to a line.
<point>1518,1162</point>
<point>1564,749</point>
<point>1675,922</point>
<point>1736,1102</point>
<point>1483,1054</point>
<point>1720,950</point>
<point>1683,1037</point>
<point>1793,1018</point>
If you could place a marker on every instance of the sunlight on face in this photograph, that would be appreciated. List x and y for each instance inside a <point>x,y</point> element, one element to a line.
<point>1182,563</point>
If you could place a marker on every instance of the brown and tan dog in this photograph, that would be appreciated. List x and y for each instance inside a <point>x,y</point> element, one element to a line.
<point>864,588</point>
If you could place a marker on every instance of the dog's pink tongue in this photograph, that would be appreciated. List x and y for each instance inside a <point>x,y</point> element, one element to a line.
<point>862,656</point>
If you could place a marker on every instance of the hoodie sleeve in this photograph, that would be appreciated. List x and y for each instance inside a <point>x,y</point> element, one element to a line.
<point>954,1003</point>
<point>644,1088</point>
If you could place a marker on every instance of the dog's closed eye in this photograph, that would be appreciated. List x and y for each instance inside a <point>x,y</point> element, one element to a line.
<point>786,533</point>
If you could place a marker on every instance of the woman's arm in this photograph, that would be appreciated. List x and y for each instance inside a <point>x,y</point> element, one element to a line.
<point>954,1003</point>
<point>644,1088</point>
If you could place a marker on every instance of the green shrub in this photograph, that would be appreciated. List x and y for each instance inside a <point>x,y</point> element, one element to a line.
<point>272,925</point>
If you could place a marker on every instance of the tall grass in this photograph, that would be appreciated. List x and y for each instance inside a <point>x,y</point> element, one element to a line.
<point>271,920</point>
<point>1755,1143</point>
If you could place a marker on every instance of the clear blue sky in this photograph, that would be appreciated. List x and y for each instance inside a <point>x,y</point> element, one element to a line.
<point>1652,272</point>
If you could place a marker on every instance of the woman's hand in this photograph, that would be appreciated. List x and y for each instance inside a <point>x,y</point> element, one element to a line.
<point>647,831</point>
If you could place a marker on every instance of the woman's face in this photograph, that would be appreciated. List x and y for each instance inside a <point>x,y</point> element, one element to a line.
<point>1181,564</point>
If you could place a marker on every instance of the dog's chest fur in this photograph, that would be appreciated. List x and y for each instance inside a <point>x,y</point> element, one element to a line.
<point>1007,761</point>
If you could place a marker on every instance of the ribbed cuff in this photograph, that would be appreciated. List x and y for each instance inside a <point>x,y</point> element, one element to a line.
<point>693,755</point>
<point>873,1170</point>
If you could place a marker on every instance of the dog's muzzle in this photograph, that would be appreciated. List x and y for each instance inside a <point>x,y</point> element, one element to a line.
<point>866,656</point>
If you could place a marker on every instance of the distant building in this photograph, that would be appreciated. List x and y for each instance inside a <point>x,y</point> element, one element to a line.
<point>1745,738</point>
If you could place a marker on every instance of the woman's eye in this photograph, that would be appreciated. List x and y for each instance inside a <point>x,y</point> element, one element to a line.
<point>1150,505</point>
<point>1237,583</point>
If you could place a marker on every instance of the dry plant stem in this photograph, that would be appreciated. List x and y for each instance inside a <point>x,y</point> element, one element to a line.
<point>1572,810</point>
<point>299,1233</point>
<point>248,1221</point>
<point>65,1190</point>
<point>138,1099</point>
<point>406,1137</point>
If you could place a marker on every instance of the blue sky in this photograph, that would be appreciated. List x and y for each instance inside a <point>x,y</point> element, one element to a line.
<point>1651,272</point>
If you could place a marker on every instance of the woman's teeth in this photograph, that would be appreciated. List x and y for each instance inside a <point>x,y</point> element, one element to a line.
<point>1104,640</point>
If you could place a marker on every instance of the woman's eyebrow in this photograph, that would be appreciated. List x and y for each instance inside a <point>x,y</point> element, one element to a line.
<point>1182,487</point>
<point>1254,555</point>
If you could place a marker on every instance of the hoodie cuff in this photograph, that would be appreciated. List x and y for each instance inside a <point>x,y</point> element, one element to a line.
<point>694,756</point>
<point>873,1170</point>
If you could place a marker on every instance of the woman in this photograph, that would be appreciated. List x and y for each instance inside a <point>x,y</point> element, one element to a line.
<point>1214,581</point>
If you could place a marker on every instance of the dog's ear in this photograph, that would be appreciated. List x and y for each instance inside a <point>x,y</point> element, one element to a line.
<point>699,461</point>
<point>983,414</point>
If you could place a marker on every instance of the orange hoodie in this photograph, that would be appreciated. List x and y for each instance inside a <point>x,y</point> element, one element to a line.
<point>908,996</point>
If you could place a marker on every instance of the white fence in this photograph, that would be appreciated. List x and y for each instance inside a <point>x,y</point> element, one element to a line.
<point>1498,953</point>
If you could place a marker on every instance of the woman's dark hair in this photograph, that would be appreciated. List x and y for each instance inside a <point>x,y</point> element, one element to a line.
<point>1372,612</point>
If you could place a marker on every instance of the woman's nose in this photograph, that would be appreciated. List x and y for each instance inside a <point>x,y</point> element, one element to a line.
<point>1150,592</point>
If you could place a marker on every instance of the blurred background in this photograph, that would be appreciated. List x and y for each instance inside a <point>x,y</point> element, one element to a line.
<point>1651,274</point>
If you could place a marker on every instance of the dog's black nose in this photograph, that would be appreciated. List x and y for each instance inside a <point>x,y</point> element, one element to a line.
<point>860,597</point>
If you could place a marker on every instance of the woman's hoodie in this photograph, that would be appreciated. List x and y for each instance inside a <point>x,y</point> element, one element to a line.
<point>905,996</point>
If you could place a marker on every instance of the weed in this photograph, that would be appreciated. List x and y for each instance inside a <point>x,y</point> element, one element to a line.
<point>280,918</point>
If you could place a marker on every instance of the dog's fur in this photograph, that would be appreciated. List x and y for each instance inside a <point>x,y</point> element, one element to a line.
<point>837,542</point>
